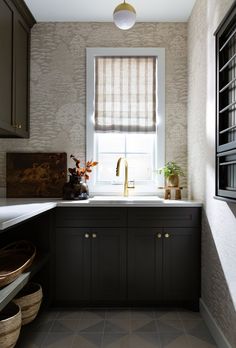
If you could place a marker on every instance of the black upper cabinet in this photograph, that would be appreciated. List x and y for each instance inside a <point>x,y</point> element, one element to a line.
<point>15,24</point>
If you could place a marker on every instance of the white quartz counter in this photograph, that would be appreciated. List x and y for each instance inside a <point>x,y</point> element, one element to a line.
<point>13,210</point>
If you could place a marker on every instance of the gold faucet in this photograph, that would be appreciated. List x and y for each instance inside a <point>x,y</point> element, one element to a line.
<point>126,191</point>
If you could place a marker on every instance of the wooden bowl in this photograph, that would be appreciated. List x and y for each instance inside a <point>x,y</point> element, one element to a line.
<point>10,325</point>
<point>15,258</point>
<point>29,299</point>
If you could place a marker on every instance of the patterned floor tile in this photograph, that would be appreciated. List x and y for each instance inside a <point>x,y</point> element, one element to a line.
<point>195,342</point>
<point>88,340</point>
<point>174,340</point>
<point>167,315</point>
<point>64,325</point>
<point>41,324</point>
<point>91,325</point>
<point>29,339</point>
<point>115,340</point>
<point>69,314</point>
<point>117,325</point>
<point>198,329</point>
<point>170,325</point>
<point>118,314</point>
<point>58,340</point>
<point>93,314</point>
<point>144,340</point>
<point>48,314</point>
<point>141,326</point>
<point>189,315</point>
<point>141,314</point>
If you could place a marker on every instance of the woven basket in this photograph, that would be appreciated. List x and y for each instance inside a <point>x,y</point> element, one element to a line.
<point>10,325</point>
<point>15,258</point>
<point>29,299</point>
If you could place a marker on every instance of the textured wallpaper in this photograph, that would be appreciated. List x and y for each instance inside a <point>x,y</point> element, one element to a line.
<point>219,222</point>
<point>58,82</point>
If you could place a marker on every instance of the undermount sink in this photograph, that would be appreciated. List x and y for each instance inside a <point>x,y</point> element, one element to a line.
<point>129,199</point>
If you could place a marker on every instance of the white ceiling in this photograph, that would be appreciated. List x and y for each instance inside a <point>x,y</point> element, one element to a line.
<point>101,10</point>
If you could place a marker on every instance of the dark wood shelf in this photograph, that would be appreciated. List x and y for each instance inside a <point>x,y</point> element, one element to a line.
<point>8,292</point>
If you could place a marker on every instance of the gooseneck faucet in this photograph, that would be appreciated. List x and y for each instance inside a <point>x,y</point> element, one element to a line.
<point>126,191</point>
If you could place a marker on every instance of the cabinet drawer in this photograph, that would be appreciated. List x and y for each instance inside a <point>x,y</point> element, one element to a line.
<point>164,217</point>
<point>91,217</point>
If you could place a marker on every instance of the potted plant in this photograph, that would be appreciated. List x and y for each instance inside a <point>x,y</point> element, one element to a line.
<point>77,187</point>
<point>171,172</point>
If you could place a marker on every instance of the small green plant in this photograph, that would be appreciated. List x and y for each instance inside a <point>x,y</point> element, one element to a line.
<point>170,169</point>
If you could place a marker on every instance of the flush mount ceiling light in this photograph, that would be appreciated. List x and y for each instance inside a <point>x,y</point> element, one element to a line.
<point>124,16</point>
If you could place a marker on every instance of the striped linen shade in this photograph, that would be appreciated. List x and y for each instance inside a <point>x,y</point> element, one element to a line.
<point>125,94</point>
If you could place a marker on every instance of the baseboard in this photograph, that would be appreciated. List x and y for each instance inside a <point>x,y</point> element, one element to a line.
<point>214,329</point>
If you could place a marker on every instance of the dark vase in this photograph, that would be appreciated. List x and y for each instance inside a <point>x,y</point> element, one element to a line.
<point>75,189</point>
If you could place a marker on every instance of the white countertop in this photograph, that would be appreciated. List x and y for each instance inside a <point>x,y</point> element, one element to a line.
<point>15,210</point>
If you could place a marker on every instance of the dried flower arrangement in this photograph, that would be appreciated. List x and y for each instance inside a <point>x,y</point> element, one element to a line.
<point>81,172</point>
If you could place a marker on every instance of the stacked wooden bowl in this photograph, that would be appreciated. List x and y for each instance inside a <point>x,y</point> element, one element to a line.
<point>10,325</point>
<point>29,299</point>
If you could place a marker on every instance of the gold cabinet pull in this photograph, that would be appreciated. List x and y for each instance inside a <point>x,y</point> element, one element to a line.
<point>159,235</point>
<point>86,235</point>
<point>167,235</point>
<point>94,235</point>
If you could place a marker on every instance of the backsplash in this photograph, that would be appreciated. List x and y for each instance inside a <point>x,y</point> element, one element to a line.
<point>58,85</point>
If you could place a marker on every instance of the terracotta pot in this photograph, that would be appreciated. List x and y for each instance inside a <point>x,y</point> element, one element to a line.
<point>173,181</point>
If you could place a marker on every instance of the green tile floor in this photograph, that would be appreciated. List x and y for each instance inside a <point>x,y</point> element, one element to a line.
<point>128,328</point>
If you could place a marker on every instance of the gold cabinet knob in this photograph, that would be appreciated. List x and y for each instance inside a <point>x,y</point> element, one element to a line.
<point>159,235</point>
<point>167,235</point>
<point>86,235</point>
<point>94,235</point>
<point>17,126</point>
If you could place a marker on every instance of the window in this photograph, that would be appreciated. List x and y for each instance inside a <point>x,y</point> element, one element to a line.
<point>125,115</point>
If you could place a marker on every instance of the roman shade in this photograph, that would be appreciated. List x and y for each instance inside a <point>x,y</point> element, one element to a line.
<point>125,94</point>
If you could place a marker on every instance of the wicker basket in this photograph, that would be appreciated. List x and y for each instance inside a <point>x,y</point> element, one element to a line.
<point>29,299</point>
<point>15,258</point>
<point>10,325</point>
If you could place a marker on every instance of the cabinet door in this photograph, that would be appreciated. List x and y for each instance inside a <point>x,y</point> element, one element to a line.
<point>6,65</point>
<point>181,263</point>
<point>72,266</point>
<point>21,66</point>
<point>108,265</point>
<point>144,264</point>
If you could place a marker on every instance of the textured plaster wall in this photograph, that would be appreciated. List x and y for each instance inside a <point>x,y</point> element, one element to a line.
<point>58,82</point>
<point>219,222</point>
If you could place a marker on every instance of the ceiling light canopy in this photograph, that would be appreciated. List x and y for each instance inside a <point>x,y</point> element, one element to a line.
<point>124,16</point>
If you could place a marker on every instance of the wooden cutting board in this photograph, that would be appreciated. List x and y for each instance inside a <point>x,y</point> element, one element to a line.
<point>30,175</point>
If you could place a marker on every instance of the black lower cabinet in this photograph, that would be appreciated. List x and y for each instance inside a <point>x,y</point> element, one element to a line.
<point>71,281</point>
<point>90,266</point>
<point>144,264</point>
<point>163,265</point>
<point>127,263</point>
<point>181,264</point>
<point>108,280</point>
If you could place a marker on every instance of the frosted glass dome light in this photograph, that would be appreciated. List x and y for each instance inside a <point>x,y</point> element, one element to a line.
<point>124,16</point>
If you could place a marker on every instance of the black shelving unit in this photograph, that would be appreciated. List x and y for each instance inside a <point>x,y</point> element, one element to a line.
<point>226,107</point>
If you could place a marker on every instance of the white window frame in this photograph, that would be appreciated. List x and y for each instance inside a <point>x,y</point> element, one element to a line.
<point>91,54</point>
